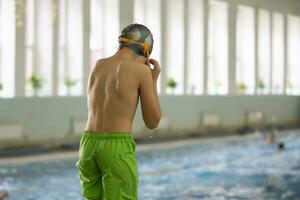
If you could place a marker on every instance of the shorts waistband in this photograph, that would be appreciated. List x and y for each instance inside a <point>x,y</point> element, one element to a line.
<point>107,134</point>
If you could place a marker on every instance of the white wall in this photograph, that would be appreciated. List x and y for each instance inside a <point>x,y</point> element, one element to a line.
<point>51,119</point>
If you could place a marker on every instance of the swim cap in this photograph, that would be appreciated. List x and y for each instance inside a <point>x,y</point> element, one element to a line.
<point>138,38</point>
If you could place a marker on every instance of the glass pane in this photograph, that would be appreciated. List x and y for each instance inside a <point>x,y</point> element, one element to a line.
<point>218,48</point>
<point>293,80</point>
<point>43,45</point>
<point>140,10</point>
<point>245,50</point>
<point>29,41</point>
<point>62,31</point>
<point>111,26</point>
<point>278,54</point>
<point>28,69</point>
<point>62,23</point>
<point>264,52</point>
<point>195,44</point>
<point>7,48</point>
<point>74,55</point>
<point>97,33</point>
<point>175,45</point>
<point>62,71</point>
<point>29,22</point>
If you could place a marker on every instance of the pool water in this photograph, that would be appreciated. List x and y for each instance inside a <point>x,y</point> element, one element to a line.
<point>232,168</point>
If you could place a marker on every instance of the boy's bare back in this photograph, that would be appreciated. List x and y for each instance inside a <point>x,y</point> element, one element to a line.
<point>114,87</point>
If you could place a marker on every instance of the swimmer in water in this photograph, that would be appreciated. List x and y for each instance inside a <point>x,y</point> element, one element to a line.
<point>107,163</point>
<point>272,140</point>
<point>270,137</point>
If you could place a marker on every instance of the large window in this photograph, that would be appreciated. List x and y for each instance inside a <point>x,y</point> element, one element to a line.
<point>7,48</point>
<point>74,45</point>
<point>195,39</point>
<point>245,50</point>
<point>62,50</point>
<point>38,42</point>
<point>44,41</point>
<point>97,35</point>
<point>264,52</point>
<point>293,80</point>
<point>218,48</point>
<point>29,45</point>
<point>104,28</point>
<point>175,45</point>
<point>147,12</point>
<point>278,54</point>
<point>70,47</point>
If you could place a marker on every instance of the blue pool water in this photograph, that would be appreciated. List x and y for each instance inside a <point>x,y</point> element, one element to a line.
<point>232,168</point>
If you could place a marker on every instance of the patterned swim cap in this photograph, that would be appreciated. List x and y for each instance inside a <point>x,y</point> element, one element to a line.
<point>138,38</point>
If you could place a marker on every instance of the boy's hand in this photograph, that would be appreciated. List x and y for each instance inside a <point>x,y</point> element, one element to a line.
<point>156,70</point>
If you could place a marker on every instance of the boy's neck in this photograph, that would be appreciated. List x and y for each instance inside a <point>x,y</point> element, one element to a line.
<point>127,54</point>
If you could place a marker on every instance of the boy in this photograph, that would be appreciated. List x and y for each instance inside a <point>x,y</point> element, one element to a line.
<point>107,162</point>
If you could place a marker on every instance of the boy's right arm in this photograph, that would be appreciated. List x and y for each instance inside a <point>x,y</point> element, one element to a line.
<point>149,97</point>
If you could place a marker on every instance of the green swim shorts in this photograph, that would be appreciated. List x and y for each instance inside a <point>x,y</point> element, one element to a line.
<point>107,166</point>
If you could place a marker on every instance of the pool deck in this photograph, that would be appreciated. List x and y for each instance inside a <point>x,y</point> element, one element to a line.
<point>153,142</point>
<point>70,154</point>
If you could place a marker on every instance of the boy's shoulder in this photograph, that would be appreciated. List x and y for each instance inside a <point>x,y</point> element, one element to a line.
<point>135,67</point>
<point>133,63</point>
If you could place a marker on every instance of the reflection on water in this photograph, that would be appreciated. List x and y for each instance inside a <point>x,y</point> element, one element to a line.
<point>245,168</point>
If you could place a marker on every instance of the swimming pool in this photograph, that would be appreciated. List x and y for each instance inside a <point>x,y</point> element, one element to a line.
<point>229,168</point>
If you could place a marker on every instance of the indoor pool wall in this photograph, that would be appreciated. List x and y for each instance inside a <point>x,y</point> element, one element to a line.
<point>50,119</point>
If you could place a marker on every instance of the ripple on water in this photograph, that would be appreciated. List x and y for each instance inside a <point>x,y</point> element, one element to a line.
<point>245,168</point>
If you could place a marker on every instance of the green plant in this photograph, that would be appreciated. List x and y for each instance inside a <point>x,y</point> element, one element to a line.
<point>289,84</point>
<point>35,81</point>
<point>261,85</point>
<point>241,86</point>
<point>69,82</point>
<point>171,83</point>
<point>1,86</point>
